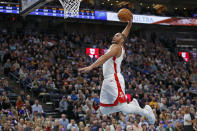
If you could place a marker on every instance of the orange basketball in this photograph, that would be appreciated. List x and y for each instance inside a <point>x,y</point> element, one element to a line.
<point>124,15</point>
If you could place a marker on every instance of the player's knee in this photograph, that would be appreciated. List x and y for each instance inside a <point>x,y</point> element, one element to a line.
<point>103,111</point>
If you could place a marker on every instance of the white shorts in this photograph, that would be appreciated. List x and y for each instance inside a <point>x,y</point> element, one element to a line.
<point>113,90</point>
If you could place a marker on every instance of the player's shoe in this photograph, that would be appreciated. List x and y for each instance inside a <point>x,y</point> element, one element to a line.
<point>150,116</point>
<point>135,102</point>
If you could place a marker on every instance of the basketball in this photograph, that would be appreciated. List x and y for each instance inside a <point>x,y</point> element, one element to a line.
<point>124,15</point>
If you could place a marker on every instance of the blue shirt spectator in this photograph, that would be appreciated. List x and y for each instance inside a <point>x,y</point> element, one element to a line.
<point>64,121</point>
<point>74,96</point>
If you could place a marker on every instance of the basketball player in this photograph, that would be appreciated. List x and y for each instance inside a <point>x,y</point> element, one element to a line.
<point>112,97</point>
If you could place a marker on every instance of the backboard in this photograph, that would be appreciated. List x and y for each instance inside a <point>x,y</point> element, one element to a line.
<point>27,6</point>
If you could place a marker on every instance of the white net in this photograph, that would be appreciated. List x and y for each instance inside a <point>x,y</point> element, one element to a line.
<point>71,7</point>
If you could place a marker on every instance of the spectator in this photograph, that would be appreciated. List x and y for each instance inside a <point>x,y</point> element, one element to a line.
<point>28,126</point>
<point>136,126</point>
<point>95,106</point>
<point>19,103</point>
<point>178,126</point>
<point>5,127</point>
<point>81,126</point>
<point>37,108</point>
<point>153,103</point>
<point>4,96</point>
<point>70,112</point>
<point>21,124</point>
<point>103,126</point>
<point>56,125</point>
<point>96,98</point>
<point>63,105</point>
<point>64,121</point>
<point>24,113</point>
<point>28,107</point>
<point>170,128</point>
<point>144,126</point>
<point>79,114</point>
<point>61,128</point>
<point>72,125</point>
<point>74,96</point>
<point>22,95</point>
<point>6,85</point>
<point>7,67</point>
<point>48,126</point>
<point>1,89</point>
<point>29,100</point>
<point>5,105</point>
<point>152,128</point>
<point>113,125</point>
<point>119,128</point>
<point>187,120</point>
<point>123,123</point>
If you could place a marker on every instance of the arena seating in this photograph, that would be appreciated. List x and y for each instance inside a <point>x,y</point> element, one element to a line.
<point>45,67</point>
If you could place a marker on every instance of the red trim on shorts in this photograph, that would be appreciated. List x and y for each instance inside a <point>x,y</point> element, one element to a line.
<point>109,105</point>
<point>121,96</point>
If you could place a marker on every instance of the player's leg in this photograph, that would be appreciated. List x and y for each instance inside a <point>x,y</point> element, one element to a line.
<point>109,110</point>
<point>133,107</point>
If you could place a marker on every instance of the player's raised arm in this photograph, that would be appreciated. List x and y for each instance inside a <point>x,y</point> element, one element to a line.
<point>128,27</point>
<point>113,52</point>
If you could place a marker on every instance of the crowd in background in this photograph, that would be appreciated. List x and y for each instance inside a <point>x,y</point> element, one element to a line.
<point>49,64</point>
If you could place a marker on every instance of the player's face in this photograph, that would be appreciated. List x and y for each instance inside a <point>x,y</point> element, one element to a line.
<point>117,38</point>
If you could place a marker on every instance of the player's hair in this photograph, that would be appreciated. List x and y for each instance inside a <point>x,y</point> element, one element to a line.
<point>124,37</point>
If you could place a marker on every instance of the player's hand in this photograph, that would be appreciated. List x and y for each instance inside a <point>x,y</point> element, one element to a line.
<point>130,21</point>
<point>85,69</point>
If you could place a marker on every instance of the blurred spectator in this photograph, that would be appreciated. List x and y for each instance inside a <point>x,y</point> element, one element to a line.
<point>56,125</point>
<point>144,127</point>
<point>74,96</point>
<point>19,103</point>
<point>119,128</point>
<point>7,67</point>
<point>72,125</point>
<point>187,120</point>
<point>37,108</point>
<point>152,128</point>
<point>28,98</point>
<point>28,126</point>
<point>64,121</point>
<point>22,95</point>
<point>136,126</point>
<point>154,103</point>
<point>63,105</point>
<point>48,126</point>
<point>95,106</point>
<point>178,126</point>
<point>170,128</point>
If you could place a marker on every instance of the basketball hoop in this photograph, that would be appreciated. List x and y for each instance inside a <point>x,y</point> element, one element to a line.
<point>71,7</point>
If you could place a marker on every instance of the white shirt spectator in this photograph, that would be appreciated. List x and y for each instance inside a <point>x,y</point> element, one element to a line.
<point>71,126</point>
<point>187,117</point>
<point>37,107</point>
